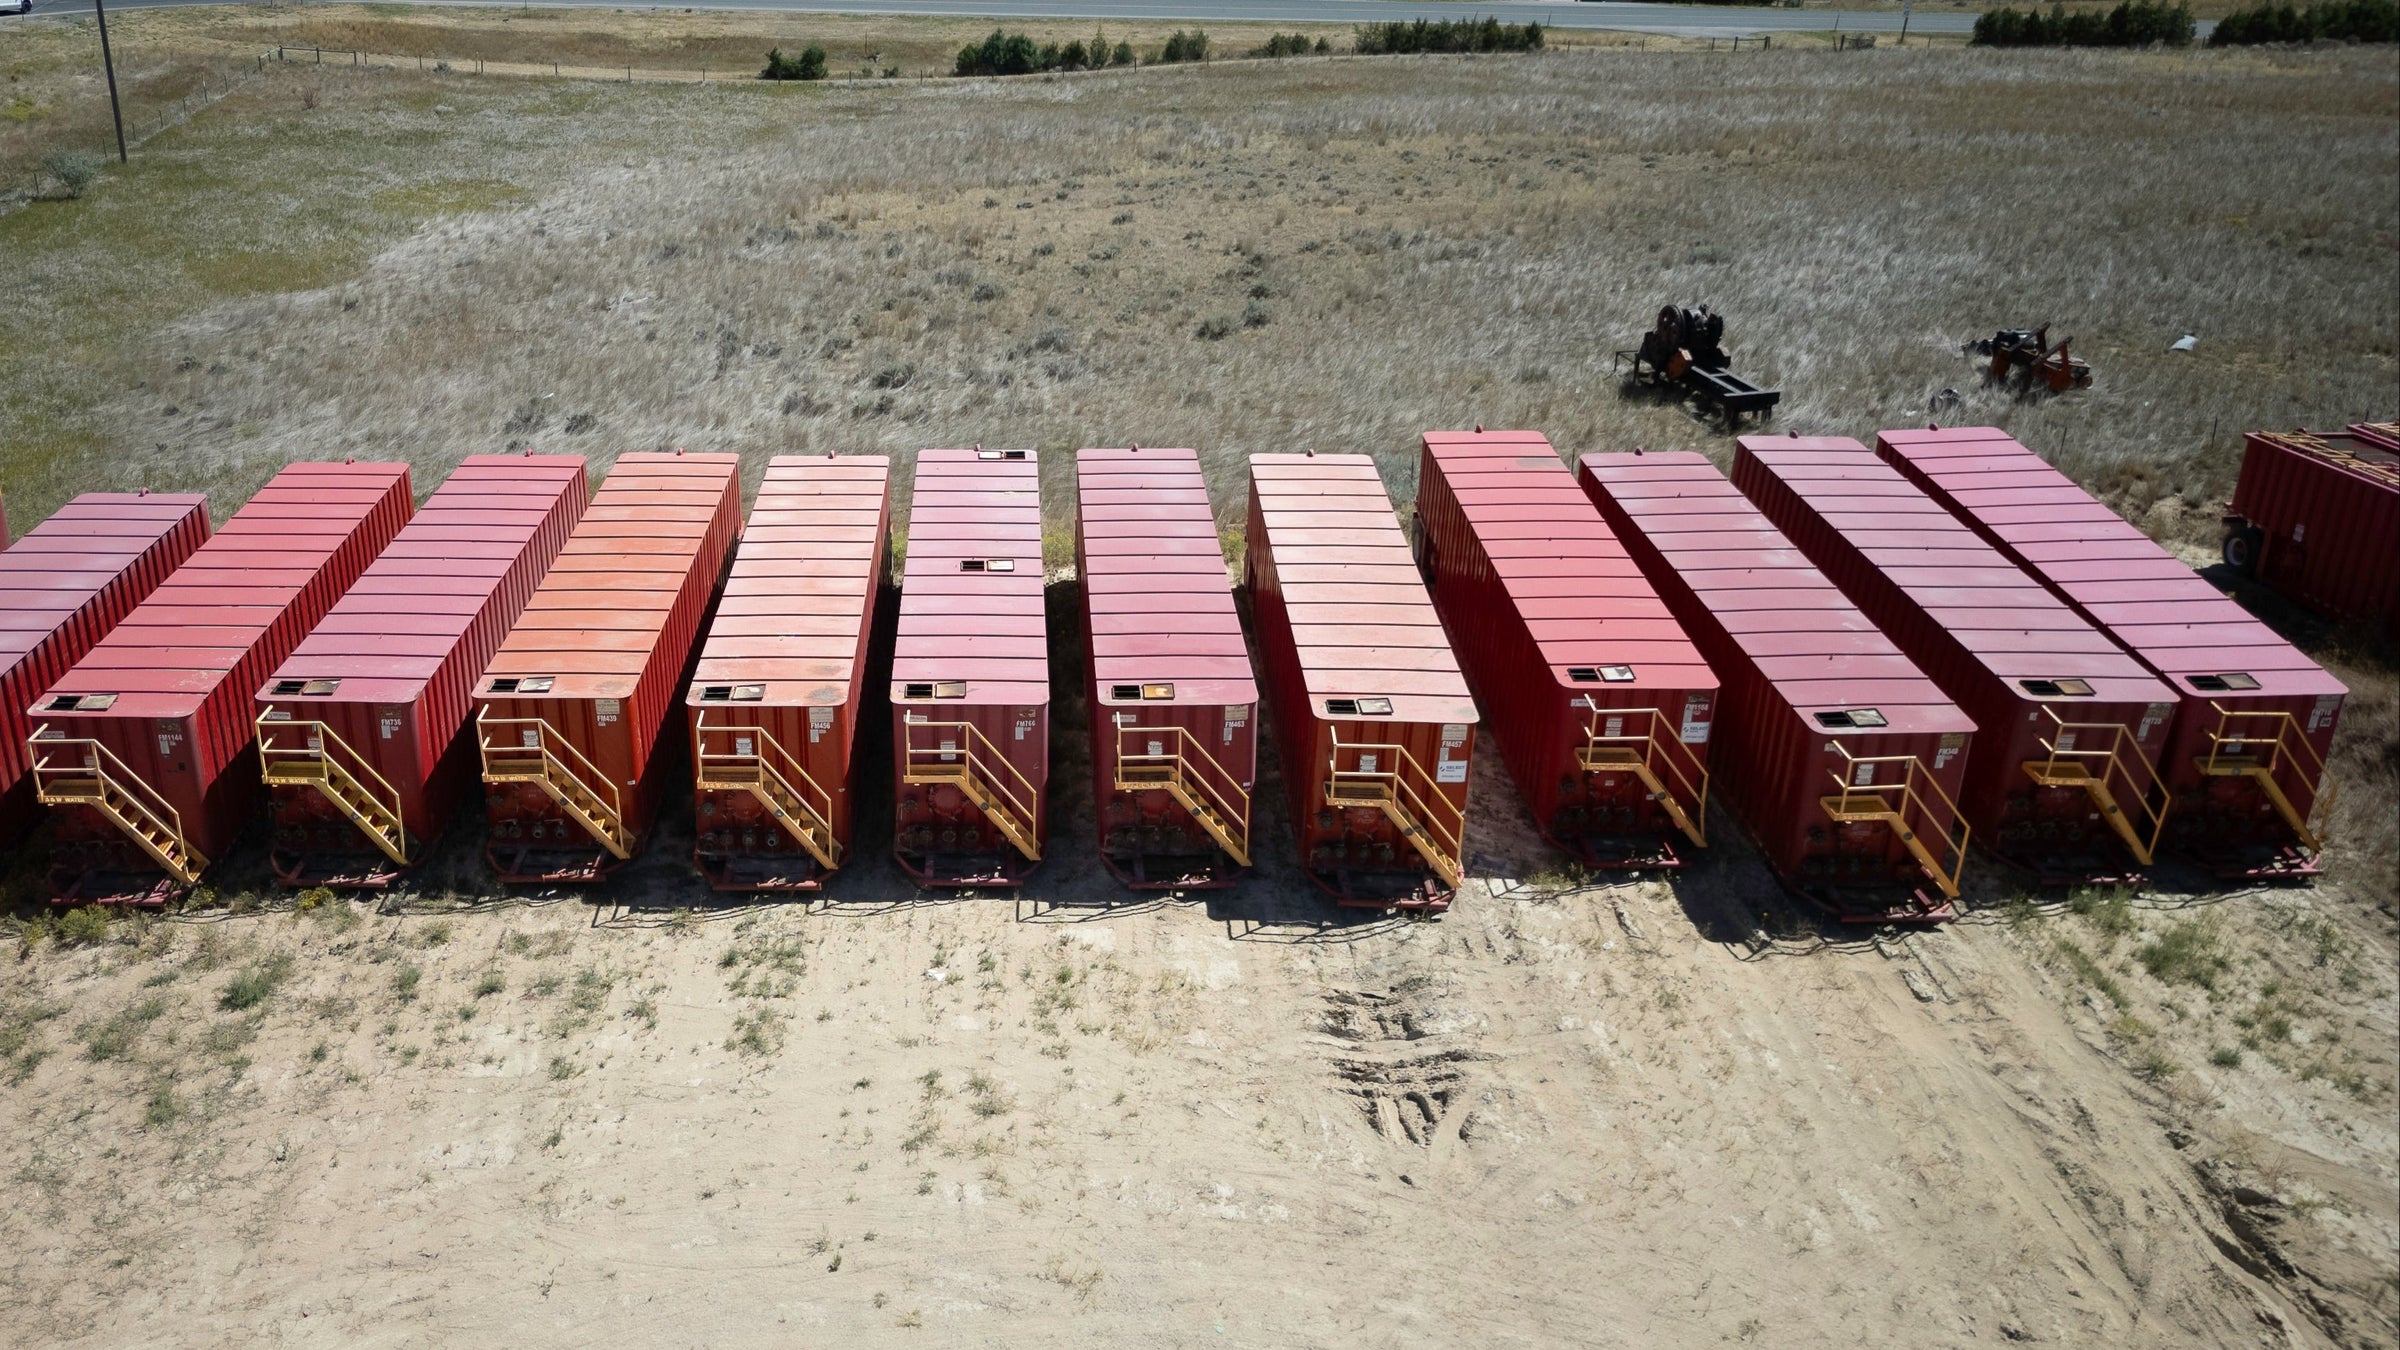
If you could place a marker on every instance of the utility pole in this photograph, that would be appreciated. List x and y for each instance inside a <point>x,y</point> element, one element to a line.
<point>110,61</point>
<point>1905,7</point>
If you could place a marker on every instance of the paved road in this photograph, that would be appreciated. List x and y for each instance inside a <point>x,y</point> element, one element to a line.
<point>1678,20</point>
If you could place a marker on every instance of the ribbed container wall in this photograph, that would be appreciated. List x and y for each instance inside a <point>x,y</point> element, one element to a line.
<point>1800,664</point>
<point>612,629</point>
<point>391,669</point>
<point>1166,668</point>
<point>1989,635</point>
<point>2214,657</point>
<point>783,671</point>
<point>971,670</point>
<point>178,674</point>
<point>1559,635</point>
<point>1343,621</point>
<point>63,586</point>
<point>2326,506</point>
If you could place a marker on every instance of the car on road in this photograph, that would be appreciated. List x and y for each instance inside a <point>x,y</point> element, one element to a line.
<point>16,6</point>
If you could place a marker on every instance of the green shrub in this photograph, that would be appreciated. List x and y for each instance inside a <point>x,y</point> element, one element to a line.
<point>73,169</point>
<point>1285,44</point>
<point>1452,35</point>
<point>808,65</point>
<point>2337,21</point>
<point>1000,54</point>
<point>1122,56</point>
<point>2135,23</point>
<point>83,925</point>
<point>1182,46</point>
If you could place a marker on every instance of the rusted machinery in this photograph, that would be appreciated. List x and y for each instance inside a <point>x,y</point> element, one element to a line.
<point>1686,351</point>
<point>2024,359</point>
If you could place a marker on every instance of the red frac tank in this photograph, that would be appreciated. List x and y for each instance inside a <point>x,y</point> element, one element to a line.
<point>1374,724</point>
<point>2069,729</point>
<point>971,673</point>
<point>2254,718</point>
<point>359,728</point>
<point>1600,702</point>
<point>148,738</point>
<point>1167,675</point>
<point>2316,515</point>
<point>774,703</point>
<point>63,587</point>
<point>573,709</point>
<point>1844,760</point>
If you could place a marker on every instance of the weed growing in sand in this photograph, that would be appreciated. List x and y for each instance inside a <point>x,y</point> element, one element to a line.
<point>491,982</point>
<point>2091,972</point>
<point>644,1011</point>
<point>2191,953</point>
<point>2107,908</point>
<point>21,1048</point>
<point>162,1109</point>
<point>405,981</point>
<point>256,984</point>
<point>757,1033</point>
<point>83,926</point>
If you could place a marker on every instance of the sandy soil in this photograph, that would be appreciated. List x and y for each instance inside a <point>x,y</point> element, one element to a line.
<point>1560,1115</point>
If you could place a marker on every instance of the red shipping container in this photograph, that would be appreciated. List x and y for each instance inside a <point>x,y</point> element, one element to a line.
<point>1373,719</point>
<point>145,743</point>
<point>1843,759</point>
<point>572,709</point>
<point>774,702</point>
<point>1600,702</point>
<point>971,673</point>
<point>2069,729</point>
<point>63,586</point>
<point>2256,718</point>
<point>2317,517</point>
<point>1173,704</point>
<point>359,728</point>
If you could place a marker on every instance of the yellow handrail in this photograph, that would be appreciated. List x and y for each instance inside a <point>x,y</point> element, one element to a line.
<point>393,835</point>
<point>548,768</point>
<point>971,751</point>
<point>1911,814</point>
<point>184,863</point>
<point>821,808</point>
<point>1220,791</point>
<point>2070,764</point>
<point>1424,808</point>
<point>2288,751</point>
<point>1642,754</point>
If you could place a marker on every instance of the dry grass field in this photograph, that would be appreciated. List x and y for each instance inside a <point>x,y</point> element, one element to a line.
<point>1663,1113</point>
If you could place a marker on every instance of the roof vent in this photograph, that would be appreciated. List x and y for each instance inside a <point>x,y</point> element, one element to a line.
<point>1584,674</point>
<point>522,684</point>
<point>1851,717</point>
<point>736,693</point>
<point>981,453</point>
<point>2057,688</point>
<point>935,689</point>
<point>2217,684</point>
<point>987,564</point>
<point>1132,692</point>
<point>1358,707</point>
<point>287,688</point>
<point>81,703</point>
<point>1616,674</point>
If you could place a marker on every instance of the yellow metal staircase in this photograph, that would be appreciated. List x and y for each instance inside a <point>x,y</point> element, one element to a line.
<point>2105,761</point>
<point>2272,750</point>
<point>1407,795</point>
<point>528,750</point>
<point>747,759</point>
<point>1192,777</point>
<point>1612,744</point>
<point>308,754</point>
<point>1909,806</point>
<point>960,755</point>
<point>71,771</point>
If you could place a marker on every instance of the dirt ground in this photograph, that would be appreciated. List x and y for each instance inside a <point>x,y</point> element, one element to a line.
<point>1676,1111</point>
